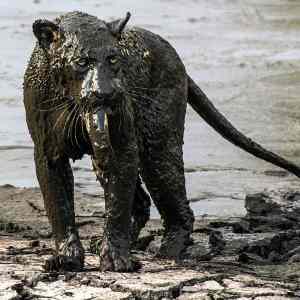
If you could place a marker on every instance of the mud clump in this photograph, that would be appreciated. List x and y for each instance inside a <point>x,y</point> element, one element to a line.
<point>270,210</point>
<point>276,212</point>
<point>282,247</point>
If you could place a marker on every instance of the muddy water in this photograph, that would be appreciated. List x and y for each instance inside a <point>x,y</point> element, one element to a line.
<point>244,54</point>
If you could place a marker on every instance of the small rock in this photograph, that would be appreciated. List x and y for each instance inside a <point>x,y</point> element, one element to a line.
<point>210,285</point>
<point>61,277</point>
<point>85,281</point>
<point>69,294</point>
<point>294,258</point>
<point>35,243</point>
<point>278,248</point>
<point>216,241</point>
<point>250,258</point>
<point>69,276</point>
<point>261,204</point>
<point>241,227</point>
<point>274,209</point>
<point>231,284</point>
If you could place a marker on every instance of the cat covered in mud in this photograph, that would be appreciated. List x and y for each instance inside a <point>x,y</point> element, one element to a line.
<point>119,95</point>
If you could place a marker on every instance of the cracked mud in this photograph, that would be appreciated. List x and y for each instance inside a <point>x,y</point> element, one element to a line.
<point>219,264</point>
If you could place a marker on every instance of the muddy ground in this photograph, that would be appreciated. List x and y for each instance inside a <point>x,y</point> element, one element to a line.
<point>231,258</point>
<point>245,55</point>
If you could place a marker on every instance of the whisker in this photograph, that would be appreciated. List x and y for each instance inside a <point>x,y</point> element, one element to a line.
<point>74,131</point>
<point>57,99</point>
<point>76,125</point>
<point>67,120</point>
<point>61,115</point>
<point>58,107</point>
<point>71,122</point>
<point>83,122</point>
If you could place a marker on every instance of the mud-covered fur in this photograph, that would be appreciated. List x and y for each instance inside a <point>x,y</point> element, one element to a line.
<point>79,66</point>
<point>120,96</point>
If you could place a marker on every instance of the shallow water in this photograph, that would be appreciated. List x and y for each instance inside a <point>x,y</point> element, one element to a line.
<point>244,54</point>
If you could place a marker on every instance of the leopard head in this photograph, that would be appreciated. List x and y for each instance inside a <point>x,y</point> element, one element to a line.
<point>84,58</point>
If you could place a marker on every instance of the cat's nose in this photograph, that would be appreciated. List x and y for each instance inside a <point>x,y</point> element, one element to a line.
<point>103,95</point>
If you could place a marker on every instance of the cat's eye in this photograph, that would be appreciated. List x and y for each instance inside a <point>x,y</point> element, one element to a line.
<point>113,60</point>
<point>82,62</point>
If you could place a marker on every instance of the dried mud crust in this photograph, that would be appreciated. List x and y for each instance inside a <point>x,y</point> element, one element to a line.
<point>212,267</point>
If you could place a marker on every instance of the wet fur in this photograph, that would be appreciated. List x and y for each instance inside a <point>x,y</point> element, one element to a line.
<point>144,138</point>
<point>148,97</point>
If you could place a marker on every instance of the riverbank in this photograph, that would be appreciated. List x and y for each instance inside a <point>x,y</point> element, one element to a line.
<point>230,258</point>
<point>245,56</point>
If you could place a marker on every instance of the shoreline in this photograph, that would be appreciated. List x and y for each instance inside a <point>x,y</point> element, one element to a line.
<point>244,55</point>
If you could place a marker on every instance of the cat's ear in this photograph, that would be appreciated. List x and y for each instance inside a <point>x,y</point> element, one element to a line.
<point>46,32</point>
<point>116,27</point>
